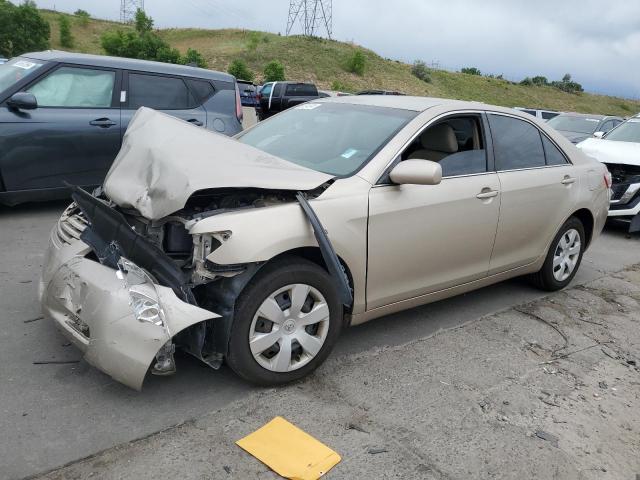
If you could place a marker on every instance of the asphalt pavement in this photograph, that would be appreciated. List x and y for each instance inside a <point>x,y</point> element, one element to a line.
<point>55,413</point>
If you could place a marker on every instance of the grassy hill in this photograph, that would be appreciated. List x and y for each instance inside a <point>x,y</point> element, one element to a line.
<point>323,61</point>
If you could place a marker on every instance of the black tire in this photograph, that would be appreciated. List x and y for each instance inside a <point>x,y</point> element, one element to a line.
<point>544,278</point>
<point>283,272</point>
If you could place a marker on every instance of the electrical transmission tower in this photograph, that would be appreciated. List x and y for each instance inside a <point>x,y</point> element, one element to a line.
<point>313,15</point>
<point>128,9</point>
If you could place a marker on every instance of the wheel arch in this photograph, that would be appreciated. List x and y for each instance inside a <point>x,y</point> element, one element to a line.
<point>588,222</point>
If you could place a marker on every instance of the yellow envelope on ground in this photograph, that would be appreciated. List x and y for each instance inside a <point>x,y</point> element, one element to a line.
<point>289,451</point>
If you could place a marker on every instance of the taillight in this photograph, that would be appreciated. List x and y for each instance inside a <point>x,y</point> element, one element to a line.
<point>607,179</point>
<point>238,104</point>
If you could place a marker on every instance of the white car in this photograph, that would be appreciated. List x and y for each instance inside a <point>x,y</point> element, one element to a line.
<point>619,150</point>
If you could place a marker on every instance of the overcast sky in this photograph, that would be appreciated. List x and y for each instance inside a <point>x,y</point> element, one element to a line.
<point>598,42</point>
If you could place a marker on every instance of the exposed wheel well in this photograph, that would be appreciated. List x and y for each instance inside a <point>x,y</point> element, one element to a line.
<point>586,217</point>
<point>314,255</point>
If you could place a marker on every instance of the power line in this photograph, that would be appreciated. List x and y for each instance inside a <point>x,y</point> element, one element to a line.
<point>128,9</point>
<point>312,15</point>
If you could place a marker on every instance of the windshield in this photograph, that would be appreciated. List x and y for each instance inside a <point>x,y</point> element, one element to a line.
<point>574,124</point>
<point>628,131</point>
<point>16,69</point>
<point>333,138</point>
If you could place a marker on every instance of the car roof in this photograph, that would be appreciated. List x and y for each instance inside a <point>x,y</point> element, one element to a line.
<point>416,104</point>
<point>588,115</point>
<point>128,63</point>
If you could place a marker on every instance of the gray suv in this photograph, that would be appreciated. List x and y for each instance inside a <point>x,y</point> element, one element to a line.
<point>63,115</point>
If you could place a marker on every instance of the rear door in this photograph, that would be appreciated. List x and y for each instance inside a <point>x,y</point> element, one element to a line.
<point>166,93</point>
<point>538,189</point>
<point>73,135</point>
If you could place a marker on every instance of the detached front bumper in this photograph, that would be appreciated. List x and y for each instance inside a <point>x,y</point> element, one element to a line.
<point>92,307</point>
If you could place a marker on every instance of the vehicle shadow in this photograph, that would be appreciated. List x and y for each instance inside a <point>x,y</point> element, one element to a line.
<point>34,208</point>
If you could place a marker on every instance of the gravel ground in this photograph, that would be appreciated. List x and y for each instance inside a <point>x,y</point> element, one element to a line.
<point>547,389</point>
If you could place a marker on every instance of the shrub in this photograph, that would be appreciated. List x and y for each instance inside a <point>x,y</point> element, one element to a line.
<point>82,17</point>
<point>540,80</point>
<point>274,72</point>
<point>356,63</point>
<point>22,29</point>
<point>527,82</point>
<point>253,41</point>
<point>193,57</point>
<point>419,69</point>
<point>338,86</point>
<point>240,70</point>
<point>567,85</point>
<point>471,71</point>
<point>66,39</point>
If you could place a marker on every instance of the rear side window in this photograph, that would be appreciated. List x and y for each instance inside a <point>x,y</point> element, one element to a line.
<point>161,93</point>
<point>202,89</point>
<point>516,143</point>
<point>301,90</point>
<point>75,87</point>
<point>277,90</point>
<point>552,153</point>
<point>548,115</point>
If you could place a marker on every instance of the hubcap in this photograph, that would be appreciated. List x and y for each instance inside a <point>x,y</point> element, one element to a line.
<point>566,255</point>
<point>289,328</point>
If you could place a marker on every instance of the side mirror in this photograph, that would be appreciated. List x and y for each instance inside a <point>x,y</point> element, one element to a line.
<point>23,101</point>
<point>599,134</point>
<point>416,172</point>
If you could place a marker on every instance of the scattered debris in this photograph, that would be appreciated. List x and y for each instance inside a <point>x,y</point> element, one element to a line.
<point>55,362</point>
<point>546,322</point>
<point>547,436</point>
<point>227,469</point>
<point>376,450</point>
<point>575,351</point>
<point>603,385</point>
<point>548,402</point>
<point>35,319</point>
<point>358,428</point>
<point>24,281</point>
<point>608,353</point>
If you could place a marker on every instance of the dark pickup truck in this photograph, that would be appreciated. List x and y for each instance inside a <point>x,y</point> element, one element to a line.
<point>274,97</point>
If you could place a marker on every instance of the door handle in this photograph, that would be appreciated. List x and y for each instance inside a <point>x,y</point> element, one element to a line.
<point>102,122</point>
<point>486,193</point>
<point>195,121</point>
<point>568,180</point>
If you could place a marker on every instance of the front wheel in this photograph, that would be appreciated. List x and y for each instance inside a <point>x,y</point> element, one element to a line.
<point>286,322</point>
<point>563,258</point>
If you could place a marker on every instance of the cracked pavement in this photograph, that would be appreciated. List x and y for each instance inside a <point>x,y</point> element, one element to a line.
<point>548,389</point>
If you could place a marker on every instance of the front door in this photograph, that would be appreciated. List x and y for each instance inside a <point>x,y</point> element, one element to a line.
<point>73,135</point>
<point>423,238</point>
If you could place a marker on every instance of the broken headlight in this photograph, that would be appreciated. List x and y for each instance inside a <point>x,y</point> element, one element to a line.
<point>143,296</point>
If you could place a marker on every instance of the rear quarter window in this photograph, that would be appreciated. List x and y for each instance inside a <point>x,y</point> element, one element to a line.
<point>301,90</point>
<point>202,90</point>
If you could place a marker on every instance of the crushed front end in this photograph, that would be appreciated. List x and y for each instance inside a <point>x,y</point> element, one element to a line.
<point>625,196</point>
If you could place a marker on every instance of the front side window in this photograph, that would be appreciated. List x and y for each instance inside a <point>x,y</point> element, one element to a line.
<point>161,93</point>
<point>75,87</point>
<point>606,126</point>
<point>516,143</point>
<point>15,70</point>
<point>456,143</point>
<point>629,131</point>
<point>335,138</point>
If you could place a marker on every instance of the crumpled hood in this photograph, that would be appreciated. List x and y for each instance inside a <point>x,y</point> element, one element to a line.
<point>611,151</point>
<point>164,160</point>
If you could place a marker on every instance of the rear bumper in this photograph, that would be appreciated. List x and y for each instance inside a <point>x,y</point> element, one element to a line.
<point>91,306</point>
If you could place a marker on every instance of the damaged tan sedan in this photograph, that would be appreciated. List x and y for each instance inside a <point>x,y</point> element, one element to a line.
<point>257,251</point>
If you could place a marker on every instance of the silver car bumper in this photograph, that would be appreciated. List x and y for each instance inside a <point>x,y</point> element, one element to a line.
<point>91,306</point>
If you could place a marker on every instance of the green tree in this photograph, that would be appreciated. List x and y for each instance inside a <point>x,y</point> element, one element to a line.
<point>240,70</point>
<point>82,17</point>
<point>419,69</point>
<point>193,57</point>
<point>22,29</point>
<point>357,63</point>
<point>471,71</point>
<point>66,38</point>
<point>143,22</point>
<point>274,72</point>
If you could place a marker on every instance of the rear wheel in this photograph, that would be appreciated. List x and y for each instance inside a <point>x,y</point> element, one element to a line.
<point>563,258</point>
<point>286,322</point>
